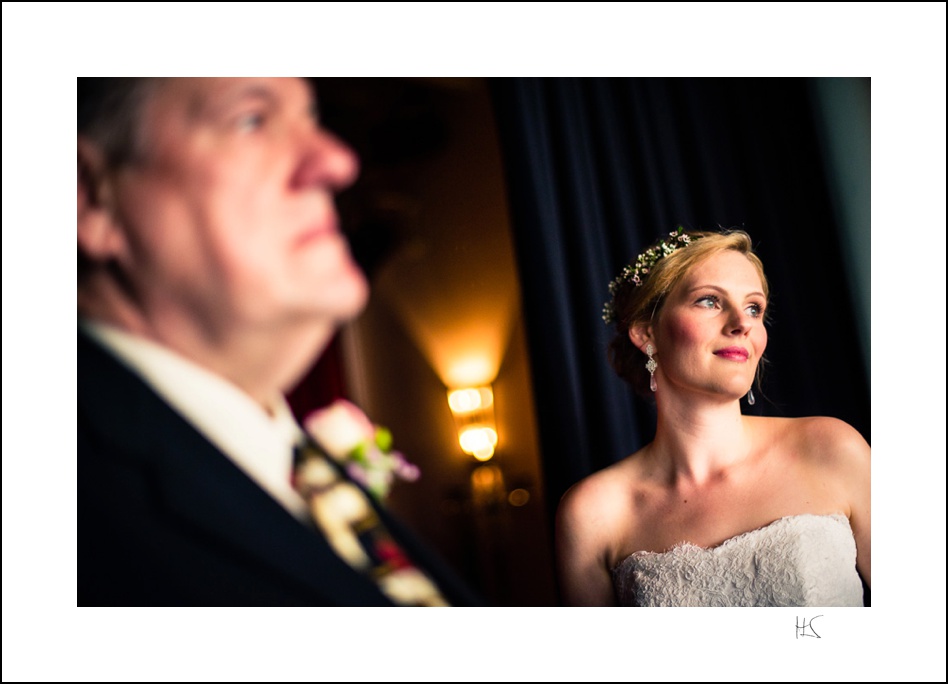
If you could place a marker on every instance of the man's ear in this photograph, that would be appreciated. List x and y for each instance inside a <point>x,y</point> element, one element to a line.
<point>641,334</point>
<point>98,233</point>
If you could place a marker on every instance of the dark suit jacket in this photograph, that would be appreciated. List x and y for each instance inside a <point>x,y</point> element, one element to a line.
<point>164,518</point>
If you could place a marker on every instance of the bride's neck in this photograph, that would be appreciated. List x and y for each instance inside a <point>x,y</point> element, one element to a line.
<point>697,443</point>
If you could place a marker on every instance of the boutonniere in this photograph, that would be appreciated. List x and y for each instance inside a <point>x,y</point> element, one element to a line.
<point>362,448</point>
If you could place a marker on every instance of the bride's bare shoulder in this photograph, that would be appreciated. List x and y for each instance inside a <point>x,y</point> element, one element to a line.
<point>589,501</point>
<point>820,439</point>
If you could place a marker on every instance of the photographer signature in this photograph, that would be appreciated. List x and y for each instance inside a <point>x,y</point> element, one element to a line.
<point>805,628</point>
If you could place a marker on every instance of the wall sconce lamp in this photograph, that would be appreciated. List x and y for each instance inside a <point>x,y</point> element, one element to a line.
<point>473,410</point>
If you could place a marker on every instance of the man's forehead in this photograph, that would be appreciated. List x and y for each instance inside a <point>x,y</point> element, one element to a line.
<point>199,96</point>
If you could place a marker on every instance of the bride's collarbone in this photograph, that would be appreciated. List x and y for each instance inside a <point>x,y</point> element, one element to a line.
<point>709,515</point>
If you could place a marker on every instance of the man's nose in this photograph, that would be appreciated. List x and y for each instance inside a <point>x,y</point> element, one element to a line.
<point>326,162</point>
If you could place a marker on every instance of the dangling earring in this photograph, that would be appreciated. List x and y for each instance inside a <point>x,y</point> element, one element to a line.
<point>750,396</point>
<point>650,366</point>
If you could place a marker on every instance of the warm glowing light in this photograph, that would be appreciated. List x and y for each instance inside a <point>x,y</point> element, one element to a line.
<point>518,497</point>
<point>475,369</point>
<point>487,485</point>
<point>479,441</point>
<point>472,399</point>
<point>486,478</point>
<point>473,409</point>
<point>484,454</point>
<point>463,401</point>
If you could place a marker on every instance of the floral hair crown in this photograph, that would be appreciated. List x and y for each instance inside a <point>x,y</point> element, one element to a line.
<point>644,263</point>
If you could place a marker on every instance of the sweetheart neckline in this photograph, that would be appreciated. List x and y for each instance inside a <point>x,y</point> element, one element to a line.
<point>840,517</point>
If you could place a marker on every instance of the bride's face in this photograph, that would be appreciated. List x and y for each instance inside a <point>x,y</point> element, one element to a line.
<point>710,335</point>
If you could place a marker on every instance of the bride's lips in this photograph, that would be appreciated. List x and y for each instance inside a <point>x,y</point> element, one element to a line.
<point>733,353</point>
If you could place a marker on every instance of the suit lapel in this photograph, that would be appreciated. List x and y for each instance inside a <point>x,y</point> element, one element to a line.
<point>204,490</point>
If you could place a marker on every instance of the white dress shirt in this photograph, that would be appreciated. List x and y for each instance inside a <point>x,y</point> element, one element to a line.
<point>258,442</point>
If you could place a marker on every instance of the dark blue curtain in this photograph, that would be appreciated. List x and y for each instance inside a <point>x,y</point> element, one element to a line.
<point>598,168</point>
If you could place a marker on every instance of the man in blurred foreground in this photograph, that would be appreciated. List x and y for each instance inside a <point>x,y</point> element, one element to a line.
<point>212,274</point>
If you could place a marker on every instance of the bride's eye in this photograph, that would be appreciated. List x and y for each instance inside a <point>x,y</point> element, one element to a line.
<point>707,301</point>
<point>755,310</point>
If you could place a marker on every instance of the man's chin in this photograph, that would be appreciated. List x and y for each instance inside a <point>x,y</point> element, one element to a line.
<point>348,303</point>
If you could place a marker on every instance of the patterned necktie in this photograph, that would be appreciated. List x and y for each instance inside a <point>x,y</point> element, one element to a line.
<point>343,512</point>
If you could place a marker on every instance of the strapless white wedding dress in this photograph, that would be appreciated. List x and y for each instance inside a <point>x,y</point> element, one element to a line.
<point>799,560</point>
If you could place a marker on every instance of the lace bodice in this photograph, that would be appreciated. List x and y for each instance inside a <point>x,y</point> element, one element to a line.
<point>799,560</point>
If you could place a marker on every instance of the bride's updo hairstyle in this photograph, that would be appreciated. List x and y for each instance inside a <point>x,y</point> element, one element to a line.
<point>639,292</point>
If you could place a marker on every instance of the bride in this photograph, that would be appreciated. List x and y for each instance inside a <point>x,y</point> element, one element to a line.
<point>720,509</point>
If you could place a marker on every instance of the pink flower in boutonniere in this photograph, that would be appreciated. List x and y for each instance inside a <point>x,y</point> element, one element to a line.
<point>362,448</point>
